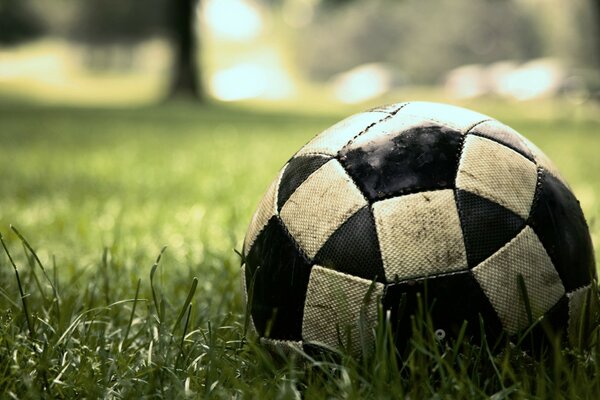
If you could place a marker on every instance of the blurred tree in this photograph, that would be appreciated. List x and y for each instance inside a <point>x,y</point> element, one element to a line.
<point>18,22</point>
<point>186,80</point>
<point>423,39</point>
<point>595,5</point>
<point>103,23</point>
<point>570,30</point>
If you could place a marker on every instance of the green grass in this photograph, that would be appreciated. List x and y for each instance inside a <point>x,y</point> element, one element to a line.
<point>98,193</point>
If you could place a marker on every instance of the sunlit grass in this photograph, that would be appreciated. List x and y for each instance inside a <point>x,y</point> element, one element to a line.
<point>98,193</point>
<point>54,71</point>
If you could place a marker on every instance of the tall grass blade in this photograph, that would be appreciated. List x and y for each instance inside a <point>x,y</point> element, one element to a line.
<point>39,263</point>
<point>36,280</point>
<point>248,311</point>
<point>185,328</point>
<point>525,297</point>
<point>106,279</point>
<point>187,302</point>
<point>135,301</point>
<point>33,253</point>
<point>23,298</point>
<point>152,288</point>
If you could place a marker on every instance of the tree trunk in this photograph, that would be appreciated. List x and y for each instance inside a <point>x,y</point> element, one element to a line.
<point>596,32</point>
<point>186,81</point>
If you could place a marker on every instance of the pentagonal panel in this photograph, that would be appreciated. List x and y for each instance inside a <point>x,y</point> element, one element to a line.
<point>498,173</point>
<point>353,248</point>
<point>320,205</point>
<point>277,276</point>
<point>449,300</point>
<point>337,305</point>
<point>499,278</point>
<point>407,156</point>
<point>487,226</point>
<point>420,235</point>
<point>331,140</point>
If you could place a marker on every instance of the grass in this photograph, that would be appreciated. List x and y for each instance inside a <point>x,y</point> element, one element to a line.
<point>95,195</point>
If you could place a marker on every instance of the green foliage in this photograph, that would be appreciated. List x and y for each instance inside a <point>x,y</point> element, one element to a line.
<point>103,312</point>
<point>117,21</point>
<point>424,39</point>
<point>18,22</point>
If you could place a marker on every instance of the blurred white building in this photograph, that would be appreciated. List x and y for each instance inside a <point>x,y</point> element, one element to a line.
<point>534,79</point>
<point>365,82</point>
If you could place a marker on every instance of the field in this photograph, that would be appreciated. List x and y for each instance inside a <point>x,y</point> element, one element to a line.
<point>97,193</point>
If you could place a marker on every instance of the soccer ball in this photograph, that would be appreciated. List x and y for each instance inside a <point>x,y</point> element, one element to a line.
<point>416,201</point>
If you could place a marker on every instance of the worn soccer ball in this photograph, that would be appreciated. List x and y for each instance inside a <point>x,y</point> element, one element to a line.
<point>408,199</point>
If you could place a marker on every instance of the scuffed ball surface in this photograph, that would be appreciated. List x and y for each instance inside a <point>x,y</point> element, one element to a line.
<point>408,199</point>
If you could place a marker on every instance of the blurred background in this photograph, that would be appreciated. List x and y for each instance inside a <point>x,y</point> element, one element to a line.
<point>129,125</point>
<point>308,52</point>
<point>126,125</point>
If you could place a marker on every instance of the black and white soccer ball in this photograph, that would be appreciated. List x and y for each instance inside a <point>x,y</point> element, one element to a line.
<point>415,198</point>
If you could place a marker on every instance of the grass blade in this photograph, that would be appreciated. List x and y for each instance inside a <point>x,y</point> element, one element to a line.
<point>185,328</point>
<point>188,301</point>
<point>135,301</point>
<point>248,310</point>
<point>106,279</point>
<point>23,298</point>
<point>153,289</point>
<point>525,297</point>
<point>39,263</point>
<point>33,253</point>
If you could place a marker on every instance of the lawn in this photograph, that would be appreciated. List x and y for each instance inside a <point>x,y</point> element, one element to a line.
<point>97,193</point>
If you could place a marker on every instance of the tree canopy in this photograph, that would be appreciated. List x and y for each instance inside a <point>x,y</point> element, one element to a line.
<point>18,22</point>
<point>118,21</point>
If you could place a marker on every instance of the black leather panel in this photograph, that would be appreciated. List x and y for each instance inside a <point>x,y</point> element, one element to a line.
<point>418,159</point>
<point>277,276</point>
<point>354,249</point>
<point>558,221</point>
